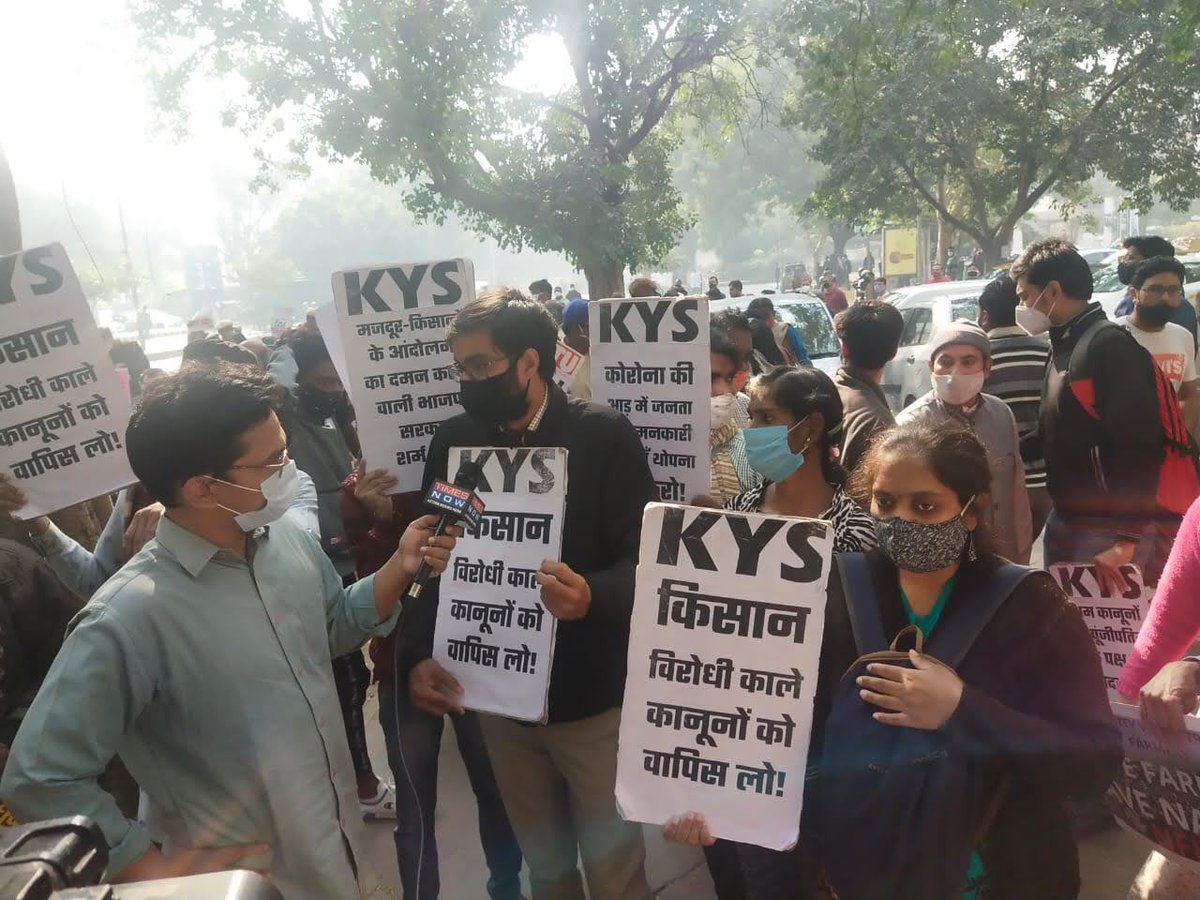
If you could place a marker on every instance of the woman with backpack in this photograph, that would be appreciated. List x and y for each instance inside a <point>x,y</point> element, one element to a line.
<point>945,773</point>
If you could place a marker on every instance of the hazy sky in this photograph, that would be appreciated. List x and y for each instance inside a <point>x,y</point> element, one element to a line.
<point>78,113</point>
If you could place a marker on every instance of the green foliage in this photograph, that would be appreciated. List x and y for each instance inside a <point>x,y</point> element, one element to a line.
<point>416,92</point>
<point>976,110</point>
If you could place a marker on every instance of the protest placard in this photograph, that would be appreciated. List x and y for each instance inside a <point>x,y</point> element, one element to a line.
<point>650,361</point>
<point>401,374</point>
<point>566,365</point>
<point>725,639</point>
<point>63,412</point>
<point>1113,620</point>
<point>1157,792</point>
<point>493,633</point>
<point>331,332</point>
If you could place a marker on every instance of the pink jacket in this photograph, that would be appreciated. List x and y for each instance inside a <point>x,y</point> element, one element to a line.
<point>1173,620</point>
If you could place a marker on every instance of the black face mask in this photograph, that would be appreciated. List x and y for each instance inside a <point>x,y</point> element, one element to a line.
<point>321,403</point>
<point>495,401</point>
<point>1155,316</point>
<point>1125,271</point>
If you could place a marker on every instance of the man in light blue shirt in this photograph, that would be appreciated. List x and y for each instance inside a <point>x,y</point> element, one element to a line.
<point>205,662</point>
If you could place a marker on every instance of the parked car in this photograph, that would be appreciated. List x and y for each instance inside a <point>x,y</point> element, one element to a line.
<point>924,309</point>
<point>1099,257</point>
<point>1108,291</point>
<point>811,318</point>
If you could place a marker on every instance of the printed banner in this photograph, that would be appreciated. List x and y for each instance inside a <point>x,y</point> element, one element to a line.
<point>650,361</point>
<point>1114,621</point>
<point>725,639</point>
<point>63,412</point>
<point>1157,792</point>
<point>899,251</point>
<point>493,633</point>
<point>566,365</point>
<point>401,374</point>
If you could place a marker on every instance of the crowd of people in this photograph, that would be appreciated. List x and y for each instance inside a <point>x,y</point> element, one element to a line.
<point>205,703</point>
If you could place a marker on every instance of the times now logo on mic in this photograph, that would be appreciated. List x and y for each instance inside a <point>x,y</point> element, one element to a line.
<point>455,501</point>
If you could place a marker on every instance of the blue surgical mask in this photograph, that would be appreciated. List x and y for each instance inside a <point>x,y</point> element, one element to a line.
<point>768,452</point>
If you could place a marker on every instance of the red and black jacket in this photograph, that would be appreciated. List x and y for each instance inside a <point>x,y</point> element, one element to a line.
<point>1100,434</point>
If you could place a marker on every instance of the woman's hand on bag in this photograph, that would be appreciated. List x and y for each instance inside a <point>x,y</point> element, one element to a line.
<point>924,696</point>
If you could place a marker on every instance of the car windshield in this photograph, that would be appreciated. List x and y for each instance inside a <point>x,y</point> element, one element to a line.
<point>1106,281</point>
<point>813,323</point>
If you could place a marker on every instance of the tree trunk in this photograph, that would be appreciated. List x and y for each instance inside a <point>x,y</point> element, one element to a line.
<point>10,217</point>
<point>606,279</point>
<point>992,255</point>
<point>840,234</point>
<point>945,239</point>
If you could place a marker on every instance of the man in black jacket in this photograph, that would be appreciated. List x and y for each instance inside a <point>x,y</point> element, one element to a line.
<point>1098,428</point>
<point>557,779</point>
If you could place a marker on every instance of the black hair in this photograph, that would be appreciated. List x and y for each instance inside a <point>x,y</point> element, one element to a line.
<point>541,286</point>
<point>213,350</point>
<point>308,347</point>
<point>954,455</point>
<point>1158,265</point>
<point>731,320</point>
<point>1149,245</point>
<point>760,308</point>
<point>736,283</point>
<point>192,423</point>
<point>999,299</point>
<point>515,323</point>
<point>720,343</point>
<point>1055,260</point>
<point>871,331</point>
<point>802,391</point>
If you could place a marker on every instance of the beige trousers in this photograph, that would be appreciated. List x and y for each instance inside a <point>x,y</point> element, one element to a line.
<point>558,785</point>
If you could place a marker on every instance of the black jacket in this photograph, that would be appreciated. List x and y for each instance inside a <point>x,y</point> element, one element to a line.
<point>35,609</point>
<point>608,486</point>
<point>1103,471</point>
<point>1034,709</point>
<point>321,450</point>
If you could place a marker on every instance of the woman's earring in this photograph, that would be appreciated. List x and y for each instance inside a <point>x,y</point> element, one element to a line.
<point>971,554</point>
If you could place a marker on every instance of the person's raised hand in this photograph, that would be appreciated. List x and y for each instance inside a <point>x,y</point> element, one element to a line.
<point>141,528</point>
<point>565,593</point>
<point>924,696</point>
<point>1170,695</point>
<point>370,489</point>
<point>419,544</point>
<point>1108,566</point>
<point>690,828</point>
<point>13,499</point>
<point>433,690</point>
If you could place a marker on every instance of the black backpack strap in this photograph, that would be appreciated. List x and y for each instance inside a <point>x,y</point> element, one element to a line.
<point>861,602</point>
<point>954,637</point>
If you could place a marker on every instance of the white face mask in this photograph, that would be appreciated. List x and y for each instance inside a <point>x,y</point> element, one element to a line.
<point>1032,319</point>
<point>279,491</point>
<point>722,411</point>
<point>958,390</point>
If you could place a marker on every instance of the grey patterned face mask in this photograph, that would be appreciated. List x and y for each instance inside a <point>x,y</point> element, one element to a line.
<point>918,547</point>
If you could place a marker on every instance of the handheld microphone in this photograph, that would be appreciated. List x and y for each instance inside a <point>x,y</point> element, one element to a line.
<point>456,502</point>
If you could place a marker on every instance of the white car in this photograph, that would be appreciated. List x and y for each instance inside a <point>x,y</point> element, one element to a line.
<point>1108,291</point>
<point>924,308</point>
<point>811,318</point>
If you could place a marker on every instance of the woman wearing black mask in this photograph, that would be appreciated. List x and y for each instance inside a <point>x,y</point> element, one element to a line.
<point>1026,704</point>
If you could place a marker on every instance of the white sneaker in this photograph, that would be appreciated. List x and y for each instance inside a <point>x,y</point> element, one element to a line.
<point>382,806</point>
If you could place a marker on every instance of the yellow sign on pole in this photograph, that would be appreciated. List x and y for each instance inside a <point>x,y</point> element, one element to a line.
<point>899,251</point>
